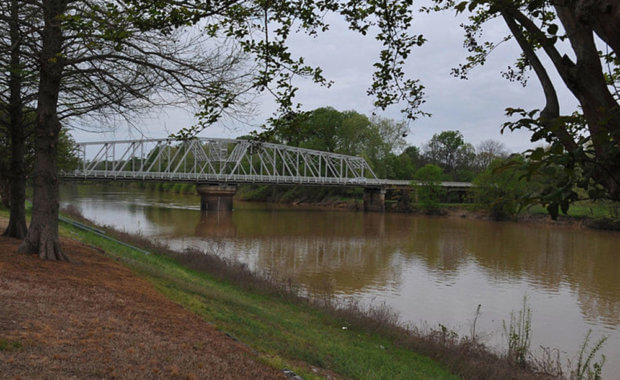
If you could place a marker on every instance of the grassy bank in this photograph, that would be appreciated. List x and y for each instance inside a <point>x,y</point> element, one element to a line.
<point>315,337</point>
<point>602,215</point>
<point>309,335</point>
<point>586,209</point>
<point>285,331</point>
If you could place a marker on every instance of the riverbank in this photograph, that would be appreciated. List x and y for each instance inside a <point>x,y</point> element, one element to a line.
<point>593,215</point>
<point>93,317</point>
<point>282,328</point>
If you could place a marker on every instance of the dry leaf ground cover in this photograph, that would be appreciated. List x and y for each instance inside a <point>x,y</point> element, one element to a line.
<point>93,318</point>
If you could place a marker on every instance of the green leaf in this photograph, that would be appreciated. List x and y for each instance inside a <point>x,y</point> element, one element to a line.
<point>460,7</point>
<point>552,29</point>
<point>537,154</point>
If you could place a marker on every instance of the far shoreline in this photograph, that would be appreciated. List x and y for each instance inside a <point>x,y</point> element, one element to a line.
<point>469,211</point>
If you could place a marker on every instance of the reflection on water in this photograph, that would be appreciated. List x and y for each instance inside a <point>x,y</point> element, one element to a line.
<point>428,269</point>
<point>215,225</point>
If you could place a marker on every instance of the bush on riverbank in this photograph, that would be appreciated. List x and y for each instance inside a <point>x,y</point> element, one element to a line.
<point>500,189</point>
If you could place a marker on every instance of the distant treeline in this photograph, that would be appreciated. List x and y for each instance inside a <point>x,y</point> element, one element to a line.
<point>382,143</point>
<point>505,184</point>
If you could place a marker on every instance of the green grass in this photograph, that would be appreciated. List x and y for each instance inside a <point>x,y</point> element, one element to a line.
<point>7,345</point>
<point>284,333</point>
<point>580,209</point>
<point>589,209</point>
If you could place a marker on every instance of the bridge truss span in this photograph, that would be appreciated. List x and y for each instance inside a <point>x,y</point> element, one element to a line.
<point>210,160</point>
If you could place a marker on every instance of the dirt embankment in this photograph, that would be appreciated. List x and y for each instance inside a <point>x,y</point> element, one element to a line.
<point>93,318</point>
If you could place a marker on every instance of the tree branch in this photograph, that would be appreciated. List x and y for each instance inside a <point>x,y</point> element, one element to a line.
<point>551,112</point>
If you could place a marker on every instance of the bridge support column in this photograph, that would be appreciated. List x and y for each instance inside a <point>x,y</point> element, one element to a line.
<point>374,199</point>
<point>216,197</point>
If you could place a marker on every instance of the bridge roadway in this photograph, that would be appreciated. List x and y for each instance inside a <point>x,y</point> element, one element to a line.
<point>217,166</point>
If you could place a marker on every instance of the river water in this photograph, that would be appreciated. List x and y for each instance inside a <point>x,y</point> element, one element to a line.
<point>429,270</point>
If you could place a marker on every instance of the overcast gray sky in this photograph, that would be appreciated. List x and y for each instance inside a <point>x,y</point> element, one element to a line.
<point>475,106</point>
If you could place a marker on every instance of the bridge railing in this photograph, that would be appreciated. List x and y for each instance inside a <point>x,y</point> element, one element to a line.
<point>217,160</point>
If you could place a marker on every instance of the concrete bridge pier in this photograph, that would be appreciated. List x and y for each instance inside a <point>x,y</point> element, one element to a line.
<point>216,197</point>
<point>374,199</point>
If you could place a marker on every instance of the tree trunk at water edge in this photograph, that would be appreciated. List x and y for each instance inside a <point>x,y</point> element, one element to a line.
<point>17,220</point>
<point>42,237</point>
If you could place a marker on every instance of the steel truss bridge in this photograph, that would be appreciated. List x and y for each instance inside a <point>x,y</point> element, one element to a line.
<point>224,161</point>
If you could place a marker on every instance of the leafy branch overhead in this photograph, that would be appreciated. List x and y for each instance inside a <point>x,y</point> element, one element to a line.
<point>262,29</point>
<point>72,59</point>
<point>581,40</point>
<point>79,58</point>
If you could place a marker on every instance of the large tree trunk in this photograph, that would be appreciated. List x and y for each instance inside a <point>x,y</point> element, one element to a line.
<point>585,79</point>
<point>601,111</point>
<point>42,237</point>
<point>4,192</point>
<point>17,219</point>
<point>604,17</point>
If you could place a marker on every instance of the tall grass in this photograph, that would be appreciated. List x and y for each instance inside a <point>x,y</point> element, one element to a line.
<point>587,368</point>
<point>519,335</point>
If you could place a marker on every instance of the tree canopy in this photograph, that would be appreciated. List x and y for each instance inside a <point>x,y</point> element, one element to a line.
<point>581,40</point>
<point>262,29</point>
<point>348,132</point>
<point>120,56</point>
<point>578,37</point>
<point>77,58</point>
<point>449,150</point>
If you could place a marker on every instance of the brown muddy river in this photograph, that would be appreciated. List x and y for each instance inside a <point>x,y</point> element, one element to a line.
<point>430,270</point>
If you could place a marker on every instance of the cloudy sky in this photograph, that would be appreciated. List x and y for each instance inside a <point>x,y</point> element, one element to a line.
<point>475,106</point>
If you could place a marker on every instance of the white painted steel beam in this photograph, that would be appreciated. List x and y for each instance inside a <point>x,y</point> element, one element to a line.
<point>217,160</point>
<point>209,160</point>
